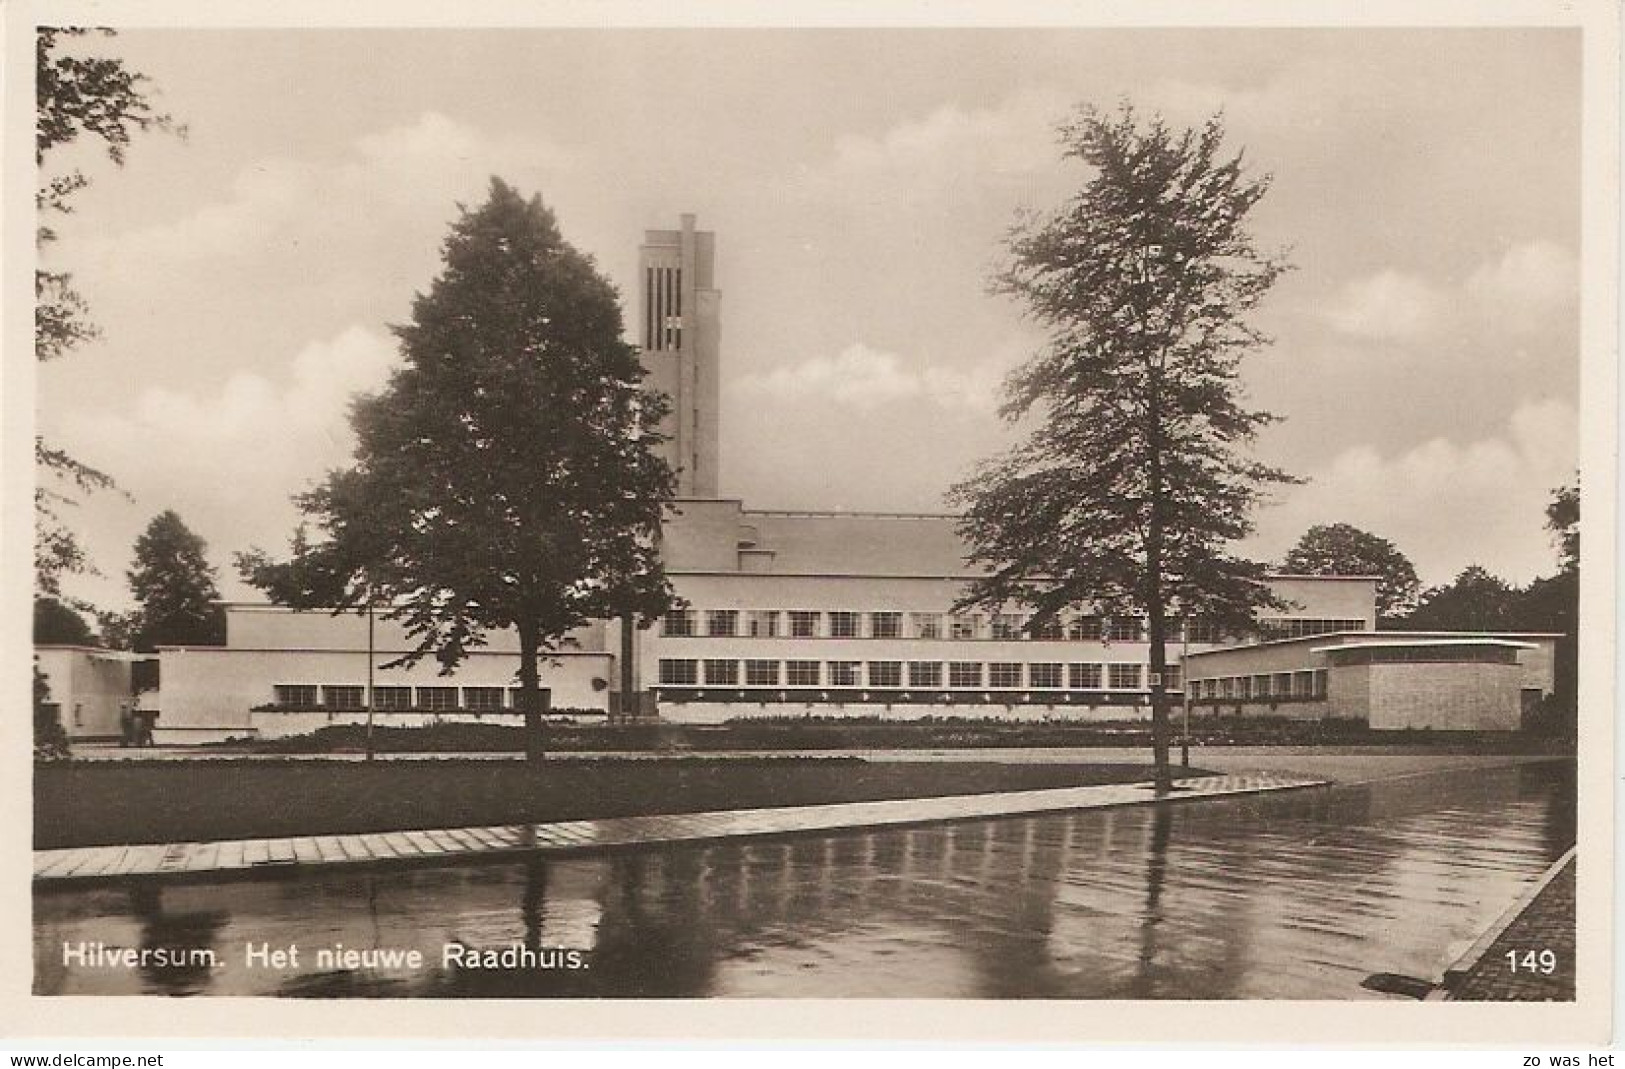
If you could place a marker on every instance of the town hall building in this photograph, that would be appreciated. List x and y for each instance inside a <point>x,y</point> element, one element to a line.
<point>837,614</point>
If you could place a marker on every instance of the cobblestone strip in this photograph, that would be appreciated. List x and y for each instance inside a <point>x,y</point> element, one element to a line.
<point>52,866</point>
<point>1541,921</point>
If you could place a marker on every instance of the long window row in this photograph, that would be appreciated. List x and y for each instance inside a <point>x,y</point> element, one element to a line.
<point>954,675</point>
<point>1274,686</point>
<point>814,623</point>
<point>1286,627</point>
<point>401,699</point>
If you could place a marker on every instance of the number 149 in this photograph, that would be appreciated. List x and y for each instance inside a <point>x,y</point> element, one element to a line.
<point>1544,961</point>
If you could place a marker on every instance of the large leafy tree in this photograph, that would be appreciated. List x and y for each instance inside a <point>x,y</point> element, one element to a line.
<point>1563,520</point>
<point>1552,603</point>
<point>1475,600</point>
<point>59,624</point>
<point>1343,549</point>
<point>173,583</point>
<point>77,96</point>
<point>506,477</point>
<point>1135,483</point>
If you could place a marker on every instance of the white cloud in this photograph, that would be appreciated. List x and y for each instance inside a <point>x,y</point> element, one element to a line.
<point>1524,290</point>
<point>1528,284</point>
<point>1014,137</point>
<point>1446,504</point>
<point>250,438</point>
<point>864,378</point>
<point>1388,305</point>
<point>427,163</point>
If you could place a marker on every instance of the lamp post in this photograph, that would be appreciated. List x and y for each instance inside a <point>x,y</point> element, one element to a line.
<point>1185,690</point>
<point>372,700</point>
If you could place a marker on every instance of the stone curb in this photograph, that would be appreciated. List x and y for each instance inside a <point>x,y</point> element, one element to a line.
<point>254,857</point>
<point>1458,971</point>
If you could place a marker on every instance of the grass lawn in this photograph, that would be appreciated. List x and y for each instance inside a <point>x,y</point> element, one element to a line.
<point>114,802</point>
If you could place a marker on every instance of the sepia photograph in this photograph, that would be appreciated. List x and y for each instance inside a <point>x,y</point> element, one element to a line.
<point>1070,514</point>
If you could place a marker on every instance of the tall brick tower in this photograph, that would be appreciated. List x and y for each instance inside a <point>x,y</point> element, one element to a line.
<point>681,328</point>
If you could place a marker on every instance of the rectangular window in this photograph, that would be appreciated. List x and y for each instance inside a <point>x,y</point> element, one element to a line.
<point>1227,687</point>
<point>679,672</point>
<point>1126,629</point>
<point>721,673</point>
<point>296,695</point>
<point>1244,687</point>
<point>1084,629</point>
<point>801,673</point>
<point>1044,676</point>
<point>344,697</point>
<point>964,674</point>
<point>679,623</point>
<point>1320,687</point>
<point>1261,686</point>
<point>1281,684</point>
<point>1303,684</point>
<point>482,699</point>
<point>964,627</point>
<point>1124,676</point>
<point>763,623</point>
<point>886,625</point>
<point>1083,676</point>
<point>544,698</point>
<point>1173,678</point>
<point>721,623</point>
<point>844,674</point>
<point>437,698</point>
<point>392,697</point>
<point>762,673</point>
<point>1048,629</point>
<point>1007,626</point>
<point>1005,675</point>
<point>803,624</point>
<point>845,624</point>
<point>1202,632</point>
<point>926,624</point>
<point>885,673</point>
<point>925,673</point>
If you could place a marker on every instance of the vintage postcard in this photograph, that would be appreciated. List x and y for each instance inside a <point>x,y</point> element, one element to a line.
<point>921,522</point>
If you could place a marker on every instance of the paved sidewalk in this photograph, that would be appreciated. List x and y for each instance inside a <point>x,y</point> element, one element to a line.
<point>1542,920</point>
<point>256,855</point>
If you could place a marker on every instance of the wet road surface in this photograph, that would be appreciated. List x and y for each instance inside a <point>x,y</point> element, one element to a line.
<point>1292,896</point>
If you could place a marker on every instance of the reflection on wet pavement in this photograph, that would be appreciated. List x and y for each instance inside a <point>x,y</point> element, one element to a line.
<point>1287,896</point>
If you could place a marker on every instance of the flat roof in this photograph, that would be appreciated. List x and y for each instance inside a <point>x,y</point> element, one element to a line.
<point>1389,644</point>
<point>1379,636</point>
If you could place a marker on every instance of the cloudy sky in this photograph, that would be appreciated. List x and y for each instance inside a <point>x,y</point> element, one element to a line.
<point>859,183</point>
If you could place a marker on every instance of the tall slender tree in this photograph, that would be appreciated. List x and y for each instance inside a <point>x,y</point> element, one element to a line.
<point>1135,482</point>
<point>506,477</point>
<point>172,581</point>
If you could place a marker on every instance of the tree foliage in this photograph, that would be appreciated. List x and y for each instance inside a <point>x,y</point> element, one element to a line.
<point>50,737</point>
<point>1563,520</point>
<point>58,624</point>
<point>173,584</point>
<point>506,476</point>
<point>1343,549</point>
<point>1475,600</point>
<point>1136,482</point>
<point>77,96</point>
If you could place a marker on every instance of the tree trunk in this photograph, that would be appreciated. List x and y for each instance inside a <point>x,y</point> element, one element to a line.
<point>628,697</point>
<point>529,692</point>
<point>1158,622</point>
